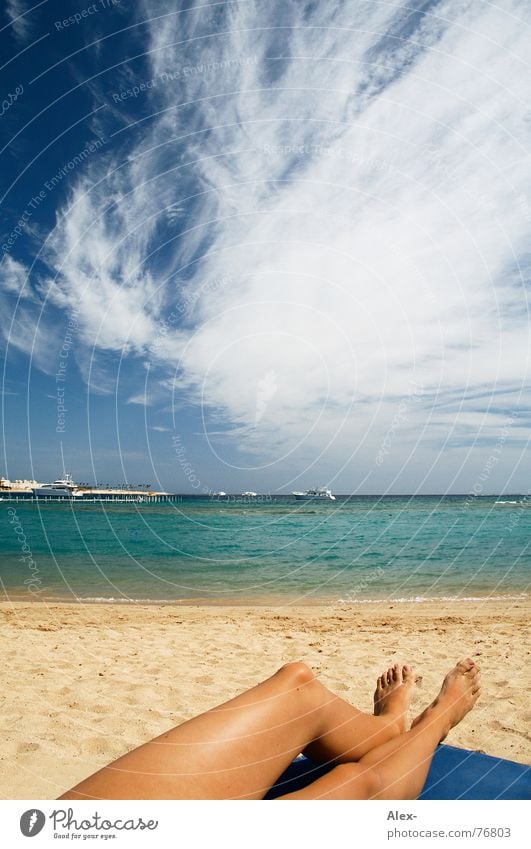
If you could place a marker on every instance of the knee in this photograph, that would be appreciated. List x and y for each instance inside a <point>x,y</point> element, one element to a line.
<point>359,781</point>
<point>297,673</point>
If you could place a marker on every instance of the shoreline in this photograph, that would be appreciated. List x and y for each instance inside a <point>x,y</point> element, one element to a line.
<point>262,601</point>
<point>432,607</point>
<point>99,679</point>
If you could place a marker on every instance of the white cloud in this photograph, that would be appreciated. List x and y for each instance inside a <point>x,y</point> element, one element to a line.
<point>22,324</point>
<point>383,257</point>
<point>14,275</point>
<point>360,183</point>
<point>17,12</point>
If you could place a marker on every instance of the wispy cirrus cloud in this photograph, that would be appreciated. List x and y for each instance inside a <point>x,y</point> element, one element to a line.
<point>357,175</point>
<point>19,16</point>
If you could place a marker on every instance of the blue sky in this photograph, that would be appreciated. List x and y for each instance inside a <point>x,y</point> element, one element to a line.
<point>267,245</point>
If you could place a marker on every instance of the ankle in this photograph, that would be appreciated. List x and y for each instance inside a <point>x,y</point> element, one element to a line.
<point>435,717</point>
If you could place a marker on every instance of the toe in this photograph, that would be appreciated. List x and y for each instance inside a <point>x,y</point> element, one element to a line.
<point>407,672</point>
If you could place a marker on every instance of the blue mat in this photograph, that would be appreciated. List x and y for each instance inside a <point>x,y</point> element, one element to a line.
<point>454,774</point>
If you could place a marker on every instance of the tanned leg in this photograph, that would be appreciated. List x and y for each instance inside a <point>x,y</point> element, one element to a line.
<point>240,748</point>
<point>398,769</point>
<point>392,697</point>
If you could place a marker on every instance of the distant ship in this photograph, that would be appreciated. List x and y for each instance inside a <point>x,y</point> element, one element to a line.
<point>318,494</point>
<point>249,494</point>
<point>60,488</point>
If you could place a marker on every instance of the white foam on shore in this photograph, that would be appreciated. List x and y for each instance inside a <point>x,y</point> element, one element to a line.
<point>111,600</point>
<point>252,601</point>
<point>422,599</point>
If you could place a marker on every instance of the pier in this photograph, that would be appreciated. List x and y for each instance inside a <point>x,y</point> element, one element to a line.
<point>92,499</point>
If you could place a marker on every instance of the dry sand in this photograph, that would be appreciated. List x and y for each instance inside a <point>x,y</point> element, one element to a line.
<point>82,684</point>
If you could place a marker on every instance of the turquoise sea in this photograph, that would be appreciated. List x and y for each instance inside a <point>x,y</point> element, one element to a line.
<point>272,550</point>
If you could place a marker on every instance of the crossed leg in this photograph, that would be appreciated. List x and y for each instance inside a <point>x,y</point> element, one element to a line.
<point>239,749</point>
<point>398,769</point>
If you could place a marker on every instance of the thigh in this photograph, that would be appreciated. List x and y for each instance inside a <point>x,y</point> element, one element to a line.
<point>234,751</point>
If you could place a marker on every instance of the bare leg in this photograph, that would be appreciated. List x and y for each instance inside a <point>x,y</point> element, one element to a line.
<point>392,697</point>
<point>398,769</point>
<point>240,748</point>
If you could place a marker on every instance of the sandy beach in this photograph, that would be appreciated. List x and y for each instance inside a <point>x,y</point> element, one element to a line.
<point>82,684</point>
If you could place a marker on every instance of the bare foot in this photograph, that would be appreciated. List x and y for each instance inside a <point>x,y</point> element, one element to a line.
<point>459,693</point>
<point>393,694</point>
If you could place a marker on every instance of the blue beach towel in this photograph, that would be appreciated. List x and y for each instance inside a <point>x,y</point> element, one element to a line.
<point>454,774</point>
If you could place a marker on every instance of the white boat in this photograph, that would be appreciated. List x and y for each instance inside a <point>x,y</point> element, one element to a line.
<point>249,494</point>
<point>61,488</point>
<point>318,494</point>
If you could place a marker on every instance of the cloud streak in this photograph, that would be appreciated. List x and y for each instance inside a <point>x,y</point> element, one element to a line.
<point>17,12</point>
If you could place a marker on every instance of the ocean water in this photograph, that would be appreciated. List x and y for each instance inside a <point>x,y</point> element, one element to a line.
<point>279,550</point>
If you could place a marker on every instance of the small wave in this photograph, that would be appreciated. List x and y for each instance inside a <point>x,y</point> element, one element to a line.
<point>422,599</point>
<point>111,600</point>
<point>252,601</point>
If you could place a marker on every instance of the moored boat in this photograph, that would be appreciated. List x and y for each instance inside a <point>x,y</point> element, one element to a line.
<point>318,494</point>
<point>61,488</point>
